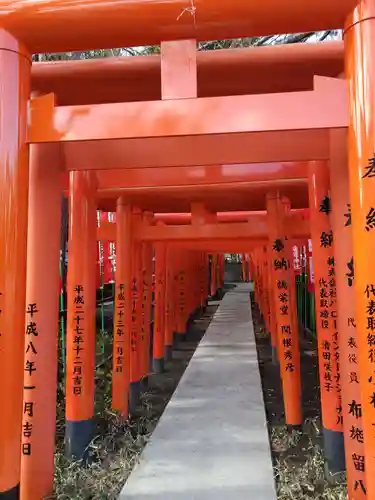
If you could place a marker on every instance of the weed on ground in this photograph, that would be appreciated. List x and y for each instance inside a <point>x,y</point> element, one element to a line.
<point>297,456</point>
<point>117,446</point>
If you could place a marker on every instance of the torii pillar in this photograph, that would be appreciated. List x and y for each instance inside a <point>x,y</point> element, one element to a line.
<point>341,222</point>
<point>81,328</point>
<point>42,294</point>
<point>326,313</point>
<point>15,65</point>
<point>359,40</point>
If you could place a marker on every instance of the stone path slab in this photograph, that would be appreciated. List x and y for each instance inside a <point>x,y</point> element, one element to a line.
<point>211,442</point>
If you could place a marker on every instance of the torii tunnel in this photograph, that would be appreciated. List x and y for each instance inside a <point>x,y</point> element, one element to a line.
<point>249,151</point>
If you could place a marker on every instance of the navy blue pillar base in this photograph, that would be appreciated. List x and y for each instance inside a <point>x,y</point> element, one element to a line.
<point>168,356</point>
<point>334,452</point>
<point>78,435</point>
<point>144,384</point>
<point>158,364</point>
<point>134,395</point>
<point>13,494</point>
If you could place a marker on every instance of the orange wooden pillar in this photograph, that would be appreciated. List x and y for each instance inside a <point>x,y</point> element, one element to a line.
<point>15,64</point>
<point>169,309</point>
<point>206,274</point>
<point>221,270</point>
<point>267,291</point>
<point>42,302</point>
<point>179,81</point>
<point>146,312</point>
<point>213,275</point>
<point>287,333</point>
<point>181,296</point>
<point>192,290</point>
<point>261,280</point>
<point>346,322</point>
<point>249,273</point>
<point>189,287</point>
<point>256,275</point>
<point>244,268</point>
<point>122,315</point>
<point>81,290</point>
<point>326,311</point>
<point>135,324</point>
<point>197,282</point>
<point>359,40</point>
<point>289,249</point>
<point>159,314</point>
<point>265,281</point>
<point>202,281</point>
<point>273,326</point>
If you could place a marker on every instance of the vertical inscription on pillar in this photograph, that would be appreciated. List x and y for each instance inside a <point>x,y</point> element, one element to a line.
<point>133,327</point>
<point>32,335</point>
<point>330,346</point>
<point>145,291</point>
<point>119,328</point>
<point>267,295</point>
<point>328,333</point>
<point>78,339</point>
<point>181,295</point>
<point>281,266</point>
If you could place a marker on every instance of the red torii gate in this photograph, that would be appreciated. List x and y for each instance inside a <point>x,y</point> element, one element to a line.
<point>234,130</point>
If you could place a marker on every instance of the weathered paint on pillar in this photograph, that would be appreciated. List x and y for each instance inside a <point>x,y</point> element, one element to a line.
<point>81,324</point>
<point>122,315</point>
<point>42,295</point>
<point>360,72</point>
<point>287,335</point>
<point>345,282</point>
<point>15,64</point>
<point>159,315</point>
<point>326,314</point>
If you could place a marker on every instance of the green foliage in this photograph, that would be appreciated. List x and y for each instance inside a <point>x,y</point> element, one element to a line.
<point>212,45</point>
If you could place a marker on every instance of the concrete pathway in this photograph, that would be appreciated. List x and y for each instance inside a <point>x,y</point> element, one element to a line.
<point>211,443</point>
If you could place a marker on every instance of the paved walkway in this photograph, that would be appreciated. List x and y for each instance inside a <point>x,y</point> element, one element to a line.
<point>211,443</point>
